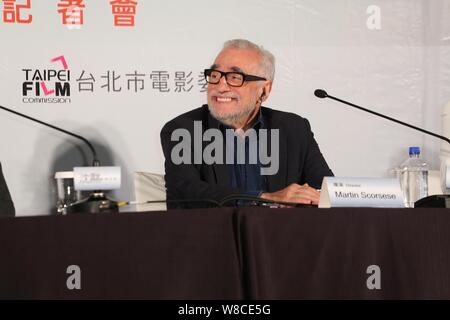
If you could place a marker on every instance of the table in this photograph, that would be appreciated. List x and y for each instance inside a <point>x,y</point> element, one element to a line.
<point>175,255</point>
<point>226,253</point>
<point>324,254</point>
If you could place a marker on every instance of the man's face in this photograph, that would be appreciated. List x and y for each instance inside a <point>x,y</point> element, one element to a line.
<point>233,105</point>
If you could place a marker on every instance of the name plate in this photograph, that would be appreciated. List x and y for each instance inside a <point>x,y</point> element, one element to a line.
<point>96,178</point>
<point>361,192</point>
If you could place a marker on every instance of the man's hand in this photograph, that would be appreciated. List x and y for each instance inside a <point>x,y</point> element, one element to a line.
<point>294,193</point>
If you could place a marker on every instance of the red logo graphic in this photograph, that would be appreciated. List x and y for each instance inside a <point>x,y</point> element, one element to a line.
<point>63,61</point>
<point>65,66</point>
<point>46,91</point>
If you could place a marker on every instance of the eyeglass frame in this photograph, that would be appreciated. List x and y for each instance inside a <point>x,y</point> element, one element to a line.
<point>245,77</point>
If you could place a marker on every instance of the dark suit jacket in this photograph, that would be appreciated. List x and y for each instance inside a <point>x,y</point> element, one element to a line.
<point>300,160</point>
<point>6,204</point>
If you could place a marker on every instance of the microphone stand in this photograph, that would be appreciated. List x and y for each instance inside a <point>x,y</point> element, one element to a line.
<point>97,201</point>
<point>435,201</point>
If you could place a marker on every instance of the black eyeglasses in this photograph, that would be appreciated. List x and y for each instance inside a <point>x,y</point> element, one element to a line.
<point>234,79</point>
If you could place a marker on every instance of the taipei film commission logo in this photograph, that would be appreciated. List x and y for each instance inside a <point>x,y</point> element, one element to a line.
<point>50,85</point>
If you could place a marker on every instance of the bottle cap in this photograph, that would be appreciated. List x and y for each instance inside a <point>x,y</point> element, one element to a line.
<point>414,151</point>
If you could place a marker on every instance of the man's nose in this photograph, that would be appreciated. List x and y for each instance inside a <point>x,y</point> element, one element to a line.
<point>223,85</point>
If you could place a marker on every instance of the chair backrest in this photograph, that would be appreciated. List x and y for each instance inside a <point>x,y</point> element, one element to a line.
<point>149,186</point>
<point>434,182</point>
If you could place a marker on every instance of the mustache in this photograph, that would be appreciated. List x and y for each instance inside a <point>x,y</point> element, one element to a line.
<point>217,94</point>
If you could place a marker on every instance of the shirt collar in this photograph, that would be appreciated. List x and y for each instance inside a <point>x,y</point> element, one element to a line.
<point>257,123</point>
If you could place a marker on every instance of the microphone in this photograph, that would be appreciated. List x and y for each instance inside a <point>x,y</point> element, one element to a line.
<point>431,201</point>
<point>319,93</point>
<point>323,94</point>
<point>97,201</point>
<point>95,161</point>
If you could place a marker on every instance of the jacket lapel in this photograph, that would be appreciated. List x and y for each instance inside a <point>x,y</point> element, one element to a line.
<point>221,172</point>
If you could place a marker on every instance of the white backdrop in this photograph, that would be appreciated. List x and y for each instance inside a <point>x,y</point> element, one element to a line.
<point>402,69</point>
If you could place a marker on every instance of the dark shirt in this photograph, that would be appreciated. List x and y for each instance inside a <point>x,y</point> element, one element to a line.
<point>247,176</point>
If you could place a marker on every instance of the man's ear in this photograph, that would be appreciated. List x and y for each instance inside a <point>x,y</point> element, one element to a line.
<point>266,91</point>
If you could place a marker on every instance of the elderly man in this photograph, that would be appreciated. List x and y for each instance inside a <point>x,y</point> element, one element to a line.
<point>239,80</point>
<point>6,204</point>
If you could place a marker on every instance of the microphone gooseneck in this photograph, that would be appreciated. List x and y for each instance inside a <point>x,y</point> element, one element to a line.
<point>438,201</point>
<point>95,162</point>
<point>320,93</point>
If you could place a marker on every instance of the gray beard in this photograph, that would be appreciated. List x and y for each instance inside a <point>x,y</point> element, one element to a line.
<point>232,120</point>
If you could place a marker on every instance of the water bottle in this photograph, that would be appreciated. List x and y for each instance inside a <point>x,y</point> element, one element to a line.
<point>413,175</point>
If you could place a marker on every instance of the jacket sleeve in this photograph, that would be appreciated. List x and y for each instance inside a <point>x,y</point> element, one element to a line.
<point>315,168</point>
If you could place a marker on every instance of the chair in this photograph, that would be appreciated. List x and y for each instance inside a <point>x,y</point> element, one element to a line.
<point>434,182</point>
<point>147,187</point>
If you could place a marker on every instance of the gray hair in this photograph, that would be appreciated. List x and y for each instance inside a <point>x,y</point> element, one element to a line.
<point>267,58</point>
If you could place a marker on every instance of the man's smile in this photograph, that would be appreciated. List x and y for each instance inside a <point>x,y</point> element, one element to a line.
<point>225,99</point>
